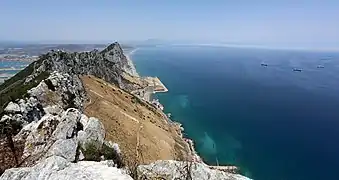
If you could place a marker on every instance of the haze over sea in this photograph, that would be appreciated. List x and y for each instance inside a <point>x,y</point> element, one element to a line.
<point>273,122</point>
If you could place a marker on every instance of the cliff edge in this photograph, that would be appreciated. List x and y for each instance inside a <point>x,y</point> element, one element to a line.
<point>73,116</point>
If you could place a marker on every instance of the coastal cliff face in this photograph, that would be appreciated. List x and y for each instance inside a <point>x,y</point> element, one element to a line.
<point>72,116</point>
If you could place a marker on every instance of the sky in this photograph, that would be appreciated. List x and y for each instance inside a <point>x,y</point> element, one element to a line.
<point>311,23</point>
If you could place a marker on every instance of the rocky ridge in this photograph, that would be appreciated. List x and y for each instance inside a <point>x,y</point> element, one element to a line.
<point>110,64</point>
<point>47,136</point>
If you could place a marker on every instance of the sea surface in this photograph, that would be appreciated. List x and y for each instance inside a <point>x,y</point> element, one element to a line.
<point>272,122</point>
<point>10,68</point>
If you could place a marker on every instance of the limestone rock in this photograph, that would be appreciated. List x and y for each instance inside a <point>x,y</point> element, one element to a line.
<point>109,64</point>
<point>58,168</point>
<point>68,125</point>
<point>94,133</point>
<point>12,108</point>
<point>38,91</point>
<point>31,109</point>
<point>84,120</point>
<point>5,118</point>
<point>174,170</point>
<point>39,138</point>
<point>65,148</point>
<point>54,109</point>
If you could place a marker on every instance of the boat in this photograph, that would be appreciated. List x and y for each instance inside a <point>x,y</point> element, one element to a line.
<point>297,69</point>
<point>264,64</point>
<point>320,66</point>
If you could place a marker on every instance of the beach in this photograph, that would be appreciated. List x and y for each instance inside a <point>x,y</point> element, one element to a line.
<point>130,62</point>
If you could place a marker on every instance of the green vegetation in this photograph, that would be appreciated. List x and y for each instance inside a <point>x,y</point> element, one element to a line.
<point>15,87</point>
<point>92,152</point>
<point>110,153</point>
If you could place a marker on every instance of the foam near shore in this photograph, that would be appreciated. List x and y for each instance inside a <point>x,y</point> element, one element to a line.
<point>130,62</point>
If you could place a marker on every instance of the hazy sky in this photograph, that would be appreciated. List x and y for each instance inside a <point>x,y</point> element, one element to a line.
<point>291,22</point>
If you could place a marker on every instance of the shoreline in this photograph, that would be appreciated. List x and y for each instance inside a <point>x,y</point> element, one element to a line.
<point>130,61</point>
<point>194,156</point>
<point>148,94</point>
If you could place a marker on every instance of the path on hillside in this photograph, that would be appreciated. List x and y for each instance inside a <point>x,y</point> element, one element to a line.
<point>125,114</point>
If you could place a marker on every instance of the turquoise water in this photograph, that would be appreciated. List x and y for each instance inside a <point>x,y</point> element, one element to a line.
<point>272,122</point>
<point>5,66</point>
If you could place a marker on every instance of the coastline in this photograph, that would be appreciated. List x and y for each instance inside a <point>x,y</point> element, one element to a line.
<point>130,62</point>
<point>146,94</point>
<point>148,97</point>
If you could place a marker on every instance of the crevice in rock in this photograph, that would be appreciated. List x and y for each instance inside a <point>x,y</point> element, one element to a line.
<point>50,84</point>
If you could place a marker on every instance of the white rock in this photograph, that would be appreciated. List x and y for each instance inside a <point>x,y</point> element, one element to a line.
<point>5,118</point>
<point>114,146</point>
<point>84,120</point>
<point>65,148</point>
<point>94,133</point>
<point>67,127</point>
<point>81,156</point>
<point>55,109</point>
<point>170,169</point>
<point>39,138</point>
<point>57,168</point>
<point>12,108</point>
<point>39,90</point>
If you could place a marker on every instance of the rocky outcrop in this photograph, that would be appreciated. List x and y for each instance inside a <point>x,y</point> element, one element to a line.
<point>57,92</point>
<point>184,170</point>
<point>110,64</point>
<point>51,123</point>
<point>56,167</point>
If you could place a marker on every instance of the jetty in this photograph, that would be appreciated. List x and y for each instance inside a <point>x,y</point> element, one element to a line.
<point>157,85</point>
<point>153,85</point>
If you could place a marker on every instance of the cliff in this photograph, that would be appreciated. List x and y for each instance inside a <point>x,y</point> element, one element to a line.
<point>72,116</point>
<point>110,64</point>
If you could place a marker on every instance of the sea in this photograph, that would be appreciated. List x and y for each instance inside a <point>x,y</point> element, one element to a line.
<point>273,113</point>
<point>9,68</point>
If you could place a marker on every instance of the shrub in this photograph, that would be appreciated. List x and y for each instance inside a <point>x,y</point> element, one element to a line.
<point>91,152</point>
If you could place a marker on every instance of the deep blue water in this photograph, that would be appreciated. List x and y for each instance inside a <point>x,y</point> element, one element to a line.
<point>274,123</point>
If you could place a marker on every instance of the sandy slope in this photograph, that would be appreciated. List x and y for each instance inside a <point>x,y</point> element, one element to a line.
<point>133,125</point>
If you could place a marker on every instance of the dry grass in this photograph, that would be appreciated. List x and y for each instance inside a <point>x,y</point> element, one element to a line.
<point>136,126</point>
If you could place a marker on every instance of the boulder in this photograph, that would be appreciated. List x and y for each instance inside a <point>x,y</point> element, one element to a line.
<point>12,108</point>
<point>65,148</point>
<point>54,109</point>
<point>170,169</point>
<point>39,138</point>
<point>58,168</point>
<point>67,128</point>
<point>5,119</point>
<point>84,120</point>
<point>39,90</point>
<point>93,133</point>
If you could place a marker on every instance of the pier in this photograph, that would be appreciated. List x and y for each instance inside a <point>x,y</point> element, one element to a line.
<point>157,85</point>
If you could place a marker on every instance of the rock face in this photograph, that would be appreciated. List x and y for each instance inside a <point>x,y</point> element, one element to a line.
<point>53,125</point>
<point>56,167</point>
<point>173,170</point>
<point>109,64</point>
